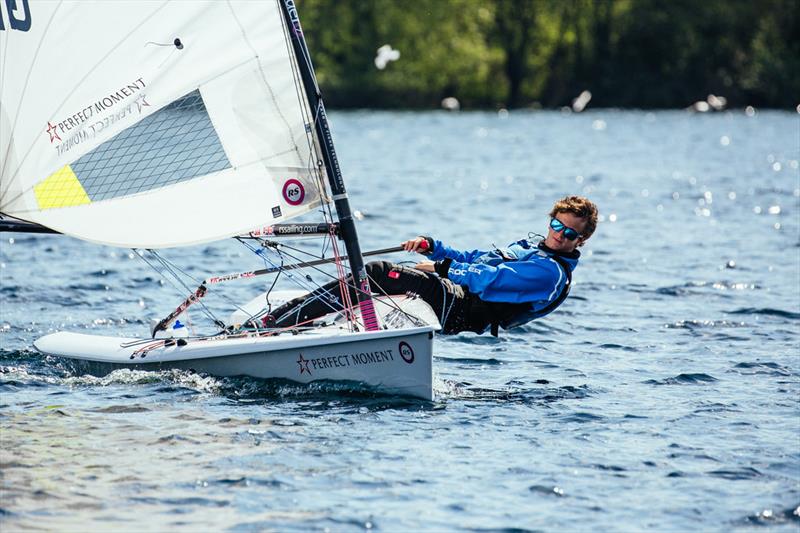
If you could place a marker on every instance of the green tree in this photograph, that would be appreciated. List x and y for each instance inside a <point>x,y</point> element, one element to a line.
<point>771,73</point>
<point>514,32</point>
<point>641,53</point>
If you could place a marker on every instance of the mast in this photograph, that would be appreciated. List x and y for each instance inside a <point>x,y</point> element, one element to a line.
<point>346,223</point>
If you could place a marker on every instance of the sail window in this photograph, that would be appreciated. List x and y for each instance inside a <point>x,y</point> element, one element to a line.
<point>175,144</point>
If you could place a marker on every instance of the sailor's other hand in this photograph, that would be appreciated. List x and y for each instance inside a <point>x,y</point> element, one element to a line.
<point>419,244</point>
<point>425,266</point>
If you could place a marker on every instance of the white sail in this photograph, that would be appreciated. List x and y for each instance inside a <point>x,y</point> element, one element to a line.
<point>153,124</point>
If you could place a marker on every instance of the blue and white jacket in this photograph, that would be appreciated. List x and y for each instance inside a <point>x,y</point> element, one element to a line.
<point>521,273</point>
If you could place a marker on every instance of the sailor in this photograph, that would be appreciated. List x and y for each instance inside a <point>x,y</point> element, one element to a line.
<point>478,290</point>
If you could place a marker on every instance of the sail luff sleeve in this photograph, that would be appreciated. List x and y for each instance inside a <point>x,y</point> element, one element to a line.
<point>341,203</point>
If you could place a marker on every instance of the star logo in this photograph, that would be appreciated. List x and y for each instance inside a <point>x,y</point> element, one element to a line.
<point>53,132</point>
<point>140,103</point>
<point>303,365</point>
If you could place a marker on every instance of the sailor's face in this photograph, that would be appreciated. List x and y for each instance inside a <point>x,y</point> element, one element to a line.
<point>556,240</point>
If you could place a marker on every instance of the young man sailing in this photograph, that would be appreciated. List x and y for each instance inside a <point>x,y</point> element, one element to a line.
<point>478,290</point>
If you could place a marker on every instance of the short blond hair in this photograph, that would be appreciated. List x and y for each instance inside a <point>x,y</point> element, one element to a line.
<point>580,207</point>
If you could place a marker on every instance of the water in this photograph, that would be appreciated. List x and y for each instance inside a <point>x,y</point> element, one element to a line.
<point>664,394</point>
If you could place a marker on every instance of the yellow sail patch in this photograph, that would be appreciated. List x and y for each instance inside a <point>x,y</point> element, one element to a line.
<point>61,189</point>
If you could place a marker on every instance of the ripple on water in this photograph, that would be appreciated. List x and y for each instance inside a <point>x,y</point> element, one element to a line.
<point>470,360</point>
<point>683,379</point>
<point>88,287</point>
<point>611,346</point>
<point>581,417</point>
<point>9,290</point>
<point>765,311</point>
<point>701,288</point>
<point>758,367</point>
<point>716,407</point>
<point>615,470</point>
<point>181,505</point>
<point>532,396</point>
<point>175,439</point>
<point>547,490</point>
<point>768,517</point>
<point>120,409</point>
<point>701,324</point>
<point>248,481</point>
<point>476,340</point>
<point>734,474</point>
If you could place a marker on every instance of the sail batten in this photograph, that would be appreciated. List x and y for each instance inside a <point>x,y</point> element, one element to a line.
<point>150,138</point>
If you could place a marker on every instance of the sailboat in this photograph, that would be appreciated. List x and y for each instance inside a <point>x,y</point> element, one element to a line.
<point>127,123</point>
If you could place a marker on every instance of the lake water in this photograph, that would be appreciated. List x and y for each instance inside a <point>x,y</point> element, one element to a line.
<point>664,394</point>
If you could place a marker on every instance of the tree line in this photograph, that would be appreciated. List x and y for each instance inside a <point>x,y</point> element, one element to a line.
<point>523,53</point>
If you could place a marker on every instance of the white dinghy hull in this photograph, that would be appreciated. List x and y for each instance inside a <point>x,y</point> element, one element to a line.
<point>392,361</point>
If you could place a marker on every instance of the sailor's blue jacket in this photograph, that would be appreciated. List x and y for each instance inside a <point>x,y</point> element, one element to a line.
<point>521,273</point>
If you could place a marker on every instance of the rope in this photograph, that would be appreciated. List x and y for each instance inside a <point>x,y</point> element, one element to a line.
<point>299,281</point>
<point>169,266</point>
<point>343,289</point>
<point>168,270</point>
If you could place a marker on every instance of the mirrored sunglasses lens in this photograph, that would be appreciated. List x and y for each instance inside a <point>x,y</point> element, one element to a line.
<point>570,234</point>
<point>557,226</point>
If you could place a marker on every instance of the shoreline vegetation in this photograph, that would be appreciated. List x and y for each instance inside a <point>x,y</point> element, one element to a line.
<point>550,54</point>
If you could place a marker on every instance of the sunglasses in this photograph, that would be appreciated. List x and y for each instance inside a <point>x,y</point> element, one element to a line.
<point>569,233</point>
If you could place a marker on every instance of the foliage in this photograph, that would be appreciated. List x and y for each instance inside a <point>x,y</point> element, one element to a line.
<point>496,53</point>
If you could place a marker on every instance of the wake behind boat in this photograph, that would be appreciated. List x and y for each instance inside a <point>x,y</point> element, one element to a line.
<point>184,123</point>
